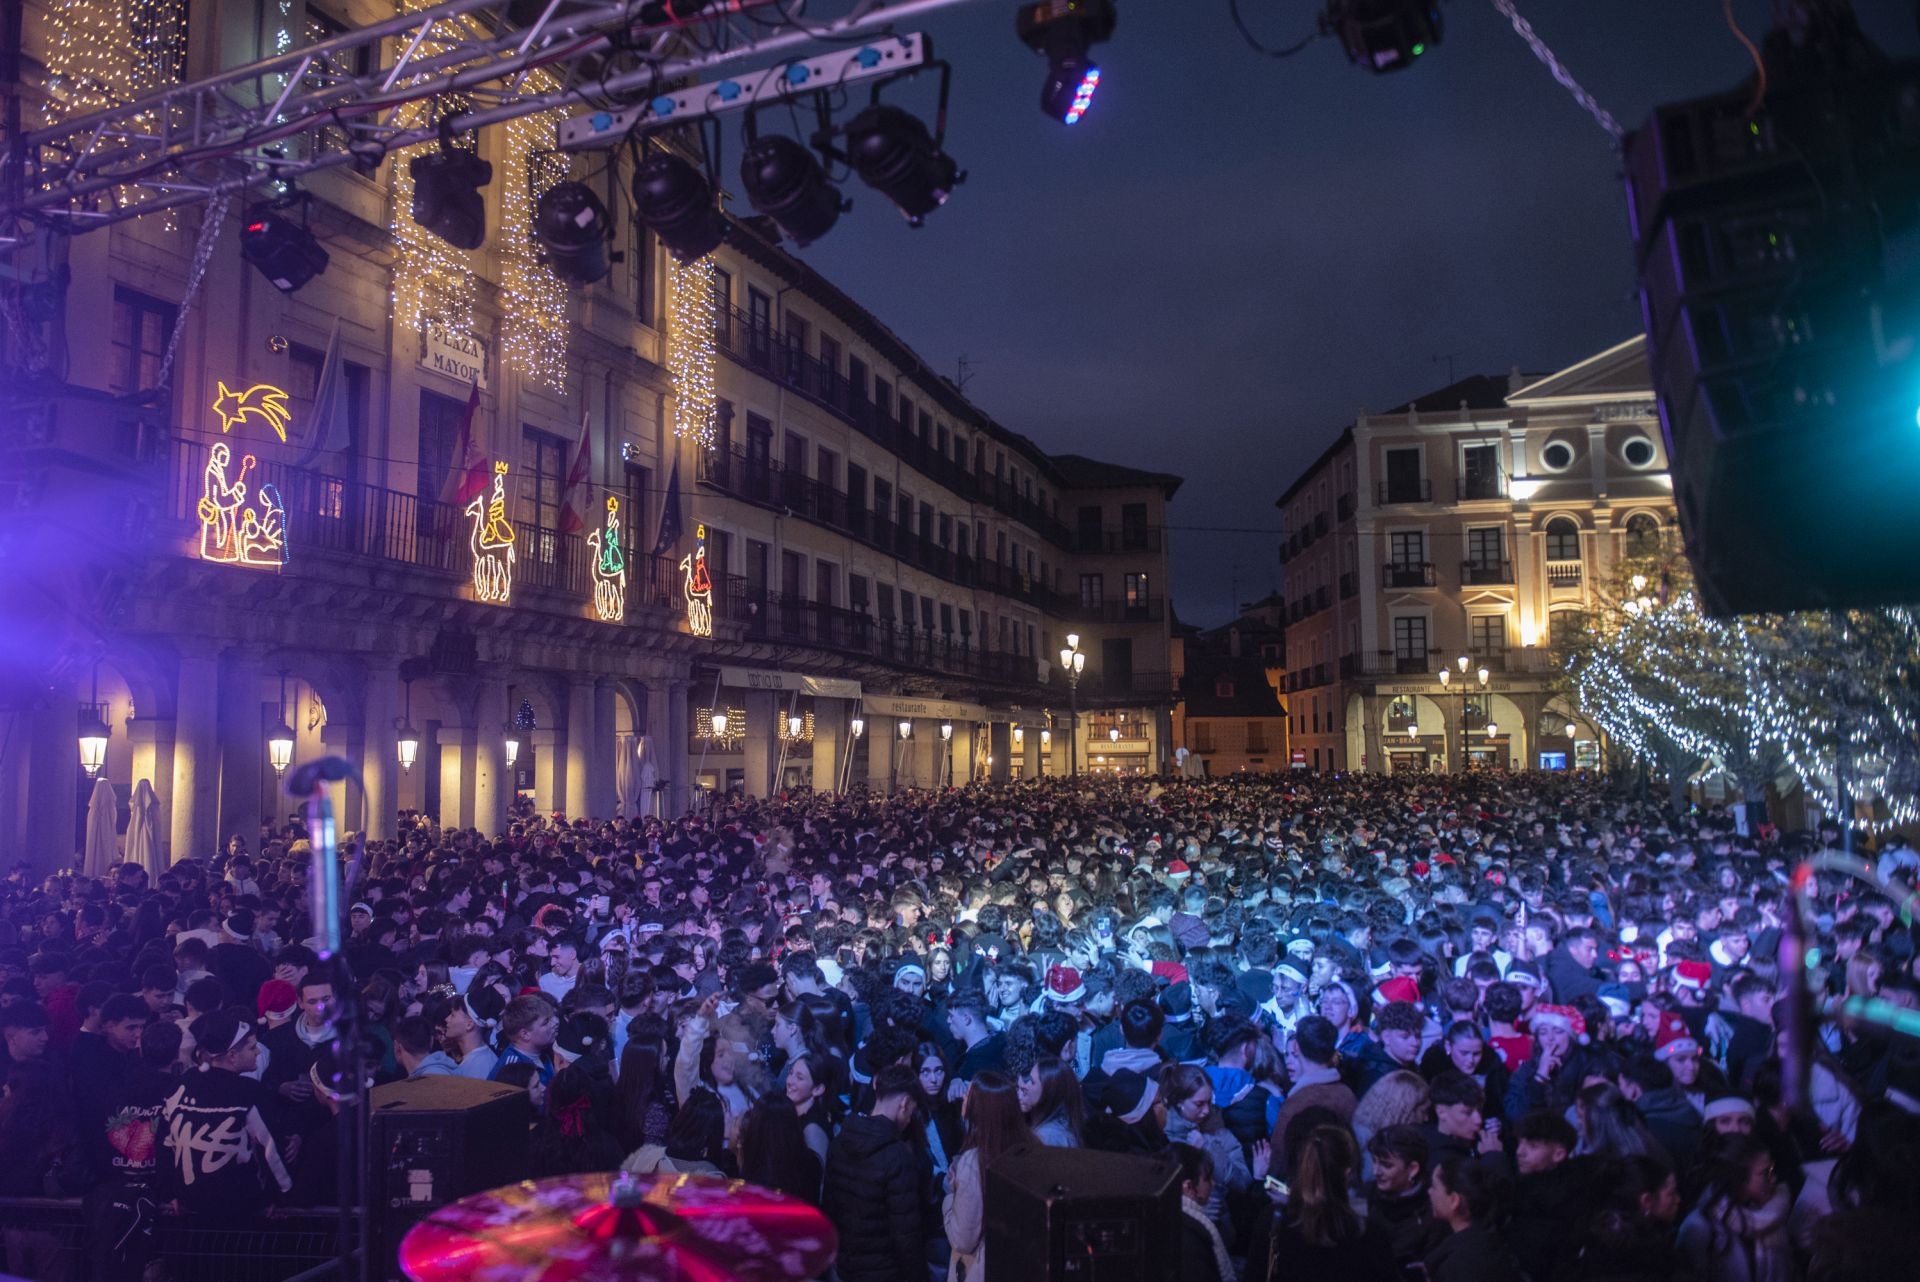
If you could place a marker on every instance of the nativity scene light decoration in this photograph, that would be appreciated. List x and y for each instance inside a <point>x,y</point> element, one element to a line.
<point>609,567</point>
<point>491,540</point>
<point>243,521</point>
<point>698,585</point>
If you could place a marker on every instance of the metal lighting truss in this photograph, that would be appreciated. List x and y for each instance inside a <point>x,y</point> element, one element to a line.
<point>264,122</point>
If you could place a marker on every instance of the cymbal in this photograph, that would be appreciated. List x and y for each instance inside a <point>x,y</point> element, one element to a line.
<point>624,1228</point>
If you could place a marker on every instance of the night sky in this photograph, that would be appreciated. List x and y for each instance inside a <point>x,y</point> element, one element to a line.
<point>1231,255</point>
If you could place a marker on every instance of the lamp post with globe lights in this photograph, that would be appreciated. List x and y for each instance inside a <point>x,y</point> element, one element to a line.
<point>1074,663</point>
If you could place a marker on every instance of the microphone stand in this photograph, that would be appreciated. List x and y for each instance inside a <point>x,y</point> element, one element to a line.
<point>352,1189</point>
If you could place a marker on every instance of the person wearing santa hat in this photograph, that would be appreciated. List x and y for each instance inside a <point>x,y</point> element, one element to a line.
<point>1538,1082</point>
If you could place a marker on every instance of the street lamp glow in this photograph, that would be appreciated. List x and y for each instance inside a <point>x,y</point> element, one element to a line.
<point>1073,640</point>
<point>1113,734</point>
<point>858,726</point>
<point>1483,674</point>
<point>1019,736</point>
<point>280,748</point>
<point>1046,740</point>
<point>794,725</point>
<point>946,730</point>
<point>1492,729</point>
<point>1446,677</point>
<point>93,742</point>
<point>408,746</point>
<point>718,723</point>
<point>1465,662</point>
<point>513,750</point>
<point>906,728</point>
<point>1572,729</point>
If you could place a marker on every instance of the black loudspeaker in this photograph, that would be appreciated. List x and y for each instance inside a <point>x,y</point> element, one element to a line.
<point>1778,250</point>
<point>1081,1215</point>
<point>435,1140</point>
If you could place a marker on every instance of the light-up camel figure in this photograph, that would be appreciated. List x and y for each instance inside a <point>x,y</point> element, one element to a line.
<point>609,567</point>
<point>492,541</point>
<point>698,585</point>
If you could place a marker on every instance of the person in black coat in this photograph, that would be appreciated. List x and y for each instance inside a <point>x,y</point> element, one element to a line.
<point>1466,1196</point>
<point>875,1187</point>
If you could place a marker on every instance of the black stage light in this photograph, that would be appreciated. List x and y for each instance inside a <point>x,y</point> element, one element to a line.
<point>1064,30</point>
<point>1386,35</point>
<point>286,254</point>
<point>897,157</point>
<point>786,183</point>
<point>571,224</point>
<point>446,195</point>
<point>675,201</point>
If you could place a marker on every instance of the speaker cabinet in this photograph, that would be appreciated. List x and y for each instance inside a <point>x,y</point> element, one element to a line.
<point>1081,1215</point>
<point>432,1141</point>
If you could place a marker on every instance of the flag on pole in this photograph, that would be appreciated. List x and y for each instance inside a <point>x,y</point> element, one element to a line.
<point>330,432</point>
<point>670,526</point>
<point>467,478</point>
<point>579,483</point>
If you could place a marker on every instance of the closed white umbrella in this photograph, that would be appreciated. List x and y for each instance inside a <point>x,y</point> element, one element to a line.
<point>103,816</point>
<point>649,778</point>
<point>625,772</point>
<point>143,829</point>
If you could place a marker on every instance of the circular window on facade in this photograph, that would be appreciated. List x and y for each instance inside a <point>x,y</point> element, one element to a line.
<point>1637,451</point>
<point>1556,456</point>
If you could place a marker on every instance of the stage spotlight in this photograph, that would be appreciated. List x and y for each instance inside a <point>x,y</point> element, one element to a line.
<point>571,224</point>
<point>1064,30</point>
<point>286,254</point>
<point>1386,35</point>
<point>675,201</point>
<point>786,183</point>
<point>897,157</point>
<point>446,195</point>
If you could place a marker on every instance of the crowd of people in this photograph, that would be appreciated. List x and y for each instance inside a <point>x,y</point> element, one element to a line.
<point>1471,1028</point>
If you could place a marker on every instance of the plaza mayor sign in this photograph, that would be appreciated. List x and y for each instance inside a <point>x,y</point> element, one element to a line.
<point>461,357</point>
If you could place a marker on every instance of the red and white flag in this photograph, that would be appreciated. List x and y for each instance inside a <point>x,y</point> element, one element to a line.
<point>468,476</point>
<point>579,488</point>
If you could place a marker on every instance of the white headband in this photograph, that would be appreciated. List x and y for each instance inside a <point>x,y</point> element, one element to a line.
<point>1147,1096</point>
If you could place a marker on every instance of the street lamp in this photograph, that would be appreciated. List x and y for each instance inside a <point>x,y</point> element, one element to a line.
<point>1572,730</point>
<point>794,725</point>
<point>1019,736</point>
<point>1113,734</point>
<point>718,724</point>
<point>513,747</point>
<point>1465,662</point>
<point>407,743</point>
<point>858,726</point>
<point>906,728</point>
<point>280,738</point>
<point>93,740</point>
<point>946,731</point>
<point>1075,663</point>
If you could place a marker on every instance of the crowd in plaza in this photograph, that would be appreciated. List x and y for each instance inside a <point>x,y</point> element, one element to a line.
<point>1472,1028</point>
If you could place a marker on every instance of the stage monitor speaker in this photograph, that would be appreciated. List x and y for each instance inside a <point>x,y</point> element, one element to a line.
<point>434,1140</point>
<point>1080,1215</point>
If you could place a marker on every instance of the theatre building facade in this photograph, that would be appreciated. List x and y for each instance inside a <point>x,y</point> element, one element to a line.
<point>725,532</point>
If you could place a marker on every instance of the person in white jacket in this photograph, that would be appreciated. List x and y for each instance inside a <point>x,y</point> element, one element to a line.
<point>994,1125</point>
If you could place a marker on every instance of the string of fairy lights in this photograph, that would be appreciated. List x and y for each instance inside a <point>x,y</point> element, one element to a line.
<point>690,349</point>
<point>101,55</point>
<point>431,278</point>
<point>1831,696</point>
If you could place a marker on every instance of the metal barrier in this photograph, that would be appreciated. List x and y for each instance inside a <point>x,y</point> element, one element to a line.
<point>281,1246</point>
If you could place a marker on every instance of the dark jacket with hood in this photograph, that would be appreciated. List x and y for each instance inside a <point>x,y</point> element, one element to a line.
<point>874,1195</point>
<point>1474,1254</point>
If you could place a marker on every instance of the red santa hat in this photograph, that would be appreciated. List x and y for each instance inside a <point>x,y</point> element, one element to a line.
<point>1564,1016</point>
<point>1178,868</point>
<point>1692,974</point>
<point>1064,984</point>
<point>1401,989</point>
<point>1672,1037</point>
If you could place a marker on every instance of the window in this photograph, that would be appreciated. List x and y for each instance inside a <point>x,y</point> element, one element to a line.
<point>1565,628</point>
<point>1556,456</point>
<point>141,326</point>
<point>1410,640</point>
<point>723,305</point>
<point>1489,634</point>
<point>1133,526</point>
<point>1256,736</point>
<point>858,389</point>
<point>946,619</point>
<point>1563,539</point>
<point>945,535</point>
<point>634,507</point>
<point>797,330</point>
<point>830,354</point>
<point>439,434</point>
<point>1638,451</point>
<point>1643,534</point>
<point>940,441</point>
<point>926,613</point>
<point>926,521</point>
<point>794,456</point>
<point>882,399</point>
<point>857,593</point>
<point>826,469</point>
<point>304,366</point>
<point>1091,586</point>
<point>1136,590</point>
<point>904,513</point>
<point>544,479</point>
<point>885,597</point>
<point>1403,484</point>
<point>759,323</point>
<point>1089,528</point>
<point>1200,736</point>
<point>1480,471</point>
<point>960,539</point>
<point>1407,548</point>
<point>1223,688</point>
<point>826,582</point>
<point>1484,545</point>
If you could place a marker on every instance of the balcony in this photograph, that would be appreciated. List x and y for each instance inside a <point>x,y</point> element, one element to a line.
<point>1480,486</point>
<point>1134,539</point>
<point>796,621</point>
<point>1142,610</point>
<point>331,517</point>
<point>1391,492</point>
<point>1344,506</point>
<point>1564,574</point>
<point>1407,576</point>
<point>1491,660</point>
<point>1483,573</point>
<point>1349,585</point>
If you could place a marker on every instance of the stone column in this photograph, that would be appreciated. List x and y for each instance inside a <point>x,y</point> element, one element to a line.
<point>829,733</point>
<point>883,748</point>
<point>1000,746</point>
<point>1030,767</point>
<point>1370,735</point>
<point>579,797</point>
<point>194,799</point>
<point>672,745</point>
<point>492,781</point>
<point>337,739</point>
<point>55,831</point>
<point>455,780</point>
<point>379,750</point>
<point>243,748</point>
<point>549,769</point>
<point>758,748</point>
<point>602,787</point>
